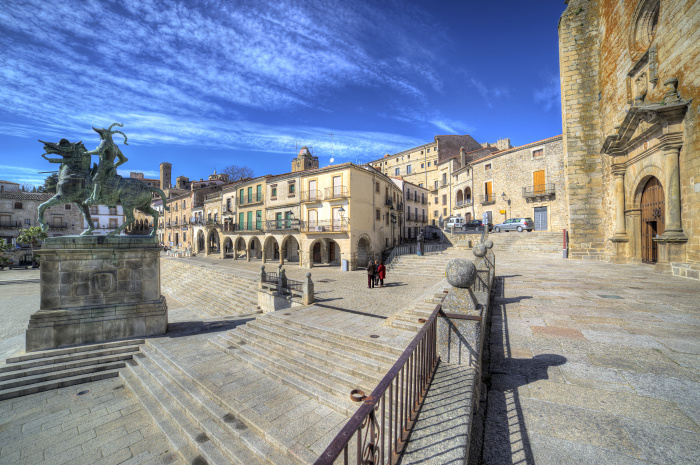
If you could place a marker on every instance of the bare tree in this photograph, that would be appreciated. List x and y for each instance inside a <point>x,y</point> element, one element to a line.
<point>237,173</point>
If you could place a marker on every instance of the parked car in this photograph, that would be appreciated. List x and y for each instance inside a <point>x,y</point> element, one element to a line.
<point>515,224</point>
<point>456,221</point>
<point>475,225</point>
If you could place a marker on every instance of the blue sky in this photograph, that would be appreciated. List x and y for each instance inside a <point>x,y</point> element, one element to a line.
<point>205,84</point>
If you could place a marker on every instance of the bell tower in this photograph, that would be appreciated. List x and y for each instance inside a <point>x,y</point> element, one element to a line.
<point>304,161</point>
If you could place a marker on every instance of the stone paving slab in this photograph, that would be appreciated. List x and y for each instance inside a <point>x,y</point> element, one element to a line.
<point>607,373</point>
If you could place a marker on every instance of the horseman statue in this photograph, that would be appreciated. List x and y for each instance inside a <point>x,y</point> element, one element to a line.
<point>100,185</point>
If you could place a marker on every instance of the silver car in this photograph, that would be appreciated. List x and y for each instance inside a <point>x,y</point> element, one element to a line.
<point>515,224</point>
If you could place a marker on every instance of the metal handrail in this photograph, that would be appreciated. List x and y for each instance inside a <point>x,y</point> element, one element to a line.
<point>295,285</point>
<point>404,249</point>
<point>398,396</point>
<point>311,196</point>
<point>540,189</point>
<point>337,192</point>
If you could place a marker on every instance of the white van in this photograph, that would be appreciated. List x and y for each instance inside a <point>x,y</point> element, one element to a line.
<point>456,221</point>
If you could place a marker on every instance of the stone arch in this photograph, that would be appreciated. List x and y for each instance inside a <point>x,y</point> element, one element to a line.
<point>635,186</point>
<point>199,245</point>
<point>213,242</point>
<point>240,247</point>
<point>644,22</point>
<point>334,252</point>
<point>467,195</point>
<point>459,198</point>
<point>315,251</point>
<point>271,249</point>
<point>364,250</point>
<point>254,248</point>
<point>289,249</point>
<point>228,247</point>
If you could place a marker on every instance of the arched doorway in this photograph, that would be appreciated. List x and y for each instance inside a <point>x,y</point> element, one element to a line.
<point>240,248</point>
<point>363,252</point>
<point>317,252</point>
<point>254,248</point>
<point>228,247</point>
<point>460,197</point>
<point>653,218</point>
<point>333,252</point>
<point>213,242</point>
<point>200,241</point>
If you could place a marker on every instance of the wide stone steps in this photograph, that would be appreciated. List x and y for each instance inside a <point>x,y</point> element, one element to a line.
<point>53,369</point>
<point>327,392</point>
<point>209,291</point>
<point>200,429</point>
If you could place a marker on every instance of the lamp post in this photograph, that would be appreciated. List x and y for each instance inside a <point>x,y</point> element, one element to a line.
<point>507,200</point>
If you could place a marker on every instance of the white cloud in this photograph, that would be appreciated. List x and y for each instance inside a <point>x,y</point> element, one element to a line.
<point>549,96</point>
<point>22,175</point>
<point>489,93</point>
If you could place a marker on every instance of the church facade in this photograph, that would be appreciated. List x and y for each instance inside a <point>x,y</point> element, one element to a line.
<point>629,85</point>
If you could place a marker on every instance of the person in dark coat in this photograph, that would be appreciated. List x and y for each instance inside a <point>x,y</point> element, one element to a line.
<point>376,273</point>
<point>371,271</point>
<point>381,272</point>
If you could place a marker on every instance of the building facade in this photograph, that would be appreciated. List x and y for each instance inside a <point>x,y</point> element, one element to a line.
<point>629,80</point>
<point>414,208</point>
<point>105,219</point>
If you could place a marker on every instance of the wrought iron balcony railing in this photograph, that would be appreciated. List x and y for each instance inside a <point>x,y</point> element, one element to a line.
<point>539,190</point>
<point>488,199</point>
<point>281,225</point>
<point>10,224</point>
<point>58,225</point>
<point>249,200</point>
<point>337,192</point>
<point>321,226</point>
<point>311,196</point>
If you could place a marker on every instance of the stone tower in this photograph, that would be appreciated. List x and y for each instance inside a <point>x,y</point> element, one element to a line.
<point>305,161</point>
<point>165,170</point>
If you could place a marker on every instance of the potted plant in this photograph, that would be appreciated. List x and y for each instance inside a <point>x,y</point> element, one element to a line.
<point>4,261</point>
<point>32,236</point>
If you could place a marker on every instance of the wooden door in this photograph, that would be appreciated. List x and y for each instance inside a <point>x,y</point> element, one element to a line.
<point>538,182</point>
<point>331,252</point>
<point>312,190</point>
<point>488,190</point>
<point>317,252</point>
<point>540,218</point>
<point>653,221</point>
<point>336,187</point>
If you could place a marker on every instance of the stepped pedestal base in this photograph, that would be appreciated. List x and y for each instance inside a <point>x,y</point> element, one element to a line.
<point>97,289</point>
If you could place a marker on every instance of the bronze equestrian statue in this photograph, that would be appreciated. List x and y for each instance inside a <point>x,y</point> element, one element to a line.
<point>80,184</point>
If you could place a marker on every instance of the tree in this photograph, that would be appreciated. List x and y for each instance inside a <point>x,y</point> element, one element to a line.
<point>4,247</point>
<point>32,236</point>
<point>237,173</point>
<point>50,183</point>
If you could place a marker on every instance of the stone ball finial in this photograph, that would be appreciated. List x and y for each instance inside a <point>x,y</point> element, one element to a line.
<point>308,275</point>
<point>262,267</point>
<point>479,250</point>
<point>489,244</point>
<point>460,273</point>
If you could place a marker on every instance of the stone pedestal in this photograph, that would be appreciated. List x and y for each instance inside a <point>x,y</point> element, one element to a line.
<point>98,289</point>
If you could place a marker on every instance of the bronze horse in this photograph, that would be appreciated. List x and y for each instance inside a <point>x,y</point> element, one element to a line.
<point>75,185</point>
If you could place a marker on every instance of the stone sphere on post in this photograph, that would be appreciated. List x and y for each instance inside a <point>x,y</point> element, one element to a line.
<point>479,250</point>
<point>489,244</point>
<point>460,273</point>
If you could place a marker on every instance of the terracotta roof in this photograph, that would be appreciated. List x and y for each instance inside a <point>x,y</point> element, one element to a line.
<point>9,182</point>
<point>19,195</point>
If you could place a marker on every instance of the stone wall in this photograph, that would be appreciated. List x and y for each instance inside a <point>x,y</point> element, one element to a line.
<point>579,69</point>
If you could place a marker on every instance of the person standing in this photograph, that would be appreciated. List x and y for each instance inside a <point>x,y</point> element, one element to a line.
<point>371,271</point>
<point>376,273</point>
<point>381,273</point>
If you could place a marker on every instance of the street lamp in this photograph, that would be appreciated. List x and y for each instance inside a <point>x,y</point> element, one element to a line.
<point>507,200</point>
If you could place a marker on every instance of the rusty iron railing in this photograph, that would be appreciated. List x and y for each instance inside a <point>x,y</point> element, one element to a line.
<point>378,431</point>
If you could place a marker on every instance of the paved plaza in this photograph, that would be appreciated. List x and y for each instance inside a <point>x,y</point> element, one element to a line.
<point>590,362</point>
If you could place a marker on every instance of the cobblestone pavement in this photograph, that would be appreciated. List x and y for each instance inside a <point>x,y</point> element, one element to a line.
<point>107,425</point>
<point>593,363</point>
<point>19,298</point>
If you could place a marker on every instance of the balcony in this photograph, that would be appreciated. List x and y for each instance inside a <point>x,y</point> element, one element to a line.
<point>541,190</point>
<point>252,226</point>
<point>388,202</point>
<point>311,196</point>
<point>283,225</point>
<point>488,199</point>
<point>410,216</point>
<point>250,200</point>
<point>444,183</point>
<point>337,192</point>
<point>324,226</point>
<point>10,224</point>
<point>464,203</point>
<point>58,226</point>
<point>228,226</point>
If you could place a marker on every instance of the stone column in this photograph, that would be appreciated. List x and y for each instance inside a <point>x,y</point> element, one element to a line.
<point>620,230</point>
<point>247,253</point>
<point>673,229</point>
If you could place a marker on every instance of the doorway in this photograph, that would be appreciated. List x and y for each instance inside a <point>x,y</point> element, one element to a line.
<point>317,252</point>
<point>540,218</point>
<point>653,218</point>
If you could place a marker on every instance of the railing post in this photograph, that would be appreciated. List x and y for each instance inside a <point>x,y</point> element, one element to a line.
<point>308,290</point>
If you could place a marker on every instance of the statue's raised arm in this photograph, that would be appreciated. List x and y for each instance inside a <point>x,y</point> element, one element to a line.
<point>108,152</point>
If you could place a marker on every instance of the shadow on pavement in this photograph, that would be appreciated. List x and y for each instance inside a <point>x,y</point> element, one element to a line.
<point>506,439</point>
<point>187,328</point>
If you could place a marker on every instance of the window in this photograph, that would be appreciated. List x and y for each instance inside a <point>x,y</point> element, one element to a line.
<point>378,215</point>
<point>67,206</point>
<point>240,197</point>
<point>444,211</point>
<point>18,205</point>
<point>428,164</point>
<point>408,169</point>
<point>422,165</point>
<point>291,187</point>
<point>397,172</point>
<point>444,178</point>
<point>93,210</point>
<point>112,210</point>
<point>428,151</point>
<point>27,222</point>
<point>376,185</point>
<point>436,184</point>
<point>408,194</point>
<point>538,153</point>
<point>250,194</point>
<point>436,213</point>
<point>436,200</point>
<point>444,199</point>
<point>113,223</point>
<point>487,167</point>
<point>258,219</point>
<point>258,193</point>
<point>240,220</point>
<point>274,191</point>
<point>228,205</point>
<point>420,185</point>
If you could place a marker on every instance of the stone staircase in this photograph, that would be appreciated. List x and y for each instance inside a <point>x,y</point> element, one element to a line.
<point>319,362</point>
<point>408,319</point>
<point>209,291</point>
<point>535,241</point>
<point>200,426</point>
<point>52,369</point>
